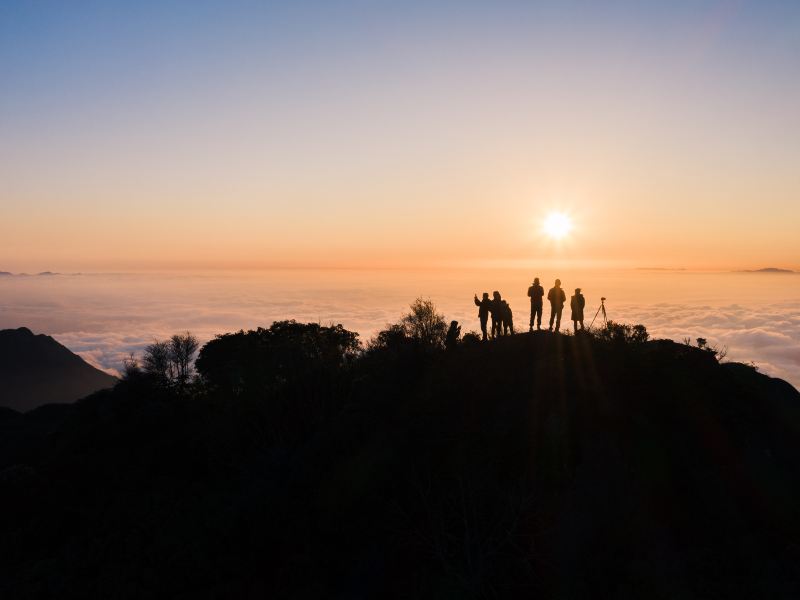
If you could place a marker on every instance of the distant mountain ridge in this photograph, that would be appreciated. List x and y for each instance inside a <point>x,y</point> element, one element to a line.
<point>42,274</point>
<point>36,370</point>
<point>769,270</point>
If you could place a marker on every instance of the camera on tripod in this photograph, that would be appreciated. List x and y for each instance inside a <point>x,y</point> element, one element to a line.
<point>602,309</point>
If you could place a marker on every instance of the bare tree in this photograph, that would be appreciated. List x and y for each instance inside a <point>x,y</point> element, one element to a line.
<point>182,348</point>
<point>156,362</point>
<point>131,368</point>
<point>171,362</point>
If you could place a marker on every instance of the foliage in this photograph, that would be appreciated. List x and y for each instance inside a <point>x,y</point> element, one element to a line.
<point>294,370</point>
<point>394,336</point>
<point>265,359</point>
<point>719,352</point>
<point>182,348</point>
<point>470,338</point>
<point>169,362</point>
<point>623,333</point>
<point>423,324</point>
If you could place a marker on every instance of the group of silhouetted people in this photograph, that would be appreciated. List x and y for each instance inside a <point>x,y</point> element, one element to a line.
<point>501,315</point>
<point>500,312</point>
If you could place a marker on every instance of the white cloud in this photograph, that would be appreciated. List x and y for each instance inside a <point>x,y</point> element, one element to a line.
<point>105,318</point>
<point>767,335</point>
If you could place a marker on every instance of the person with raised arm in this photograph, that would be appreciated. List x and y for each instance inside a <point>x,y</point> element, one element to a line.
<point>484,306</point>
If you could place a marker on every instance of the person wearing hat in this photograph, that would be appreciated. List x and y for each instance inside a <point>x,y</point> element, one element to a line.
<point>576,303</point>
<point>557,298</point>
<point>536,293</point>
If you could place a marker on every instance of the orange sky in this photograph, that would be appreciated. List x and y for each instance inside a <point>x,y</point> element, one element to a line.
<point>671,137</point>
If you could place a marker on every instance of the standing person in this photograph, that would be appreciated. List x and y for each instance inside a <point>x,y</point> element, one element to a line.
<point>576,303</point>
<point>484,306</point>
<point>536,293</point>
<point>557,298</point>
<point>496,310</point>
<point>508,319</point>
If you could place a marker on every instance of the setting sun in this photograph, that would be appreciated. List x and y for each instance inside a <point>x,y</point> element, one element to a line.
<point>557,225</point>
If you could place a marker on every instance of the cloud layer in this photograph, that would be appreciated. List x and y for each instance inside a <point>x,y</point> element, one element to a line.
<point>767,335</point>
<point>106,318</point>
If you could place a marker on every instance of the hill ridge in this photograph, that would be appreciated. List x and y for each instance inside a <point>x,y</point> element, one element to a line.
<point>36,369</point>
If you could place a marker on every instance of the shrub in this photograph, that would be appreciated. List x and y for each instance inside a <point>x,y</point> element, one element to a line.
<point>424,324</point>
<point>623,333</point>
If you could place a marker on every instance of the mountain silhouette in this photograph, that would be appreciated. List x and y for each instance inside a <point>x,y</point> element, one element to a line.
<point>36,370</point>
<point>538,465</point>
<point>773,270</point>
<point>769,270</point>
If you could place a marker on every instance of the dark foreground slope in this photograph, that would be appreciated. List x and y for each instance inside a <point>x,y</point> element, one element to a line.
<point>535,466</point>
<point>36,370</point>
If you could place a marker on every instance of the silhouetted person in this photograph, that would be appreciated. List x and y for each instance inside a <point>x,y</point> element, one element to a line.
<point>484,306</point>
<point>496,310</point>
<point>451,341</point>
<point>557,298</point>
<point>536,293</point>
<point>508,319</point>
<point>576,303</point>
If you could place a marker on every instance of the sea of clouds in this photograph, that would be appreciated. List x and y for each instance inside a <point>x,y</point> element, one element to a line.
<point>105,318</point>
<point>766,335</point>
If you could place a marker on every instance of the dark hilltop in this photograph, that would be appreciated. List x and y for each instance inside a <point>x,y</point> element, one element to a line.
<point>302,464</point>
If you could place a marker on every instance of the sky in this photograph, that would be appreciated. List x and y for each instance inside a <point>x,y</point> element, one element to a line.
<point>234,135</point>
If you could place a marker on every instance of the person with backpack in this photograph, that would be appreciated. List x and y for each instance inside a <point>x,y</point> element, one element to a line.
<point>508,319</point>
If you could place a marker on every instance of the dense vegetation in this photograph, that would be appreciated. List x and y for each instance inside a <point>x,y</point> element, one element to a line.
<point>300,464</point>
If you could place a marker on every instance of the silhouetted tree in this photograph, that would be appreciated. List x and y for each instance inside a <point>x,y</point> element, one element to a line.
<point>182,348</point>
<point>169,362</point>
<point>424,324</point>
<point>156,362</point>
<point>393,336</point>
<point>295,373</point>
<point>265,359</point>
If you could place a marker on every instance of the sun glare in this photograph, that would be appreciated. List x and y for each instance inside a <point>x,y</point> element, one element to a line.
<point>557,225</point>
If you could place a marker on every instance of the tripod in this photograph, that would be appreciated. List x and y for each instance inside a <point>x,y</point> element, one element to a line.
<point>599,310</point>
